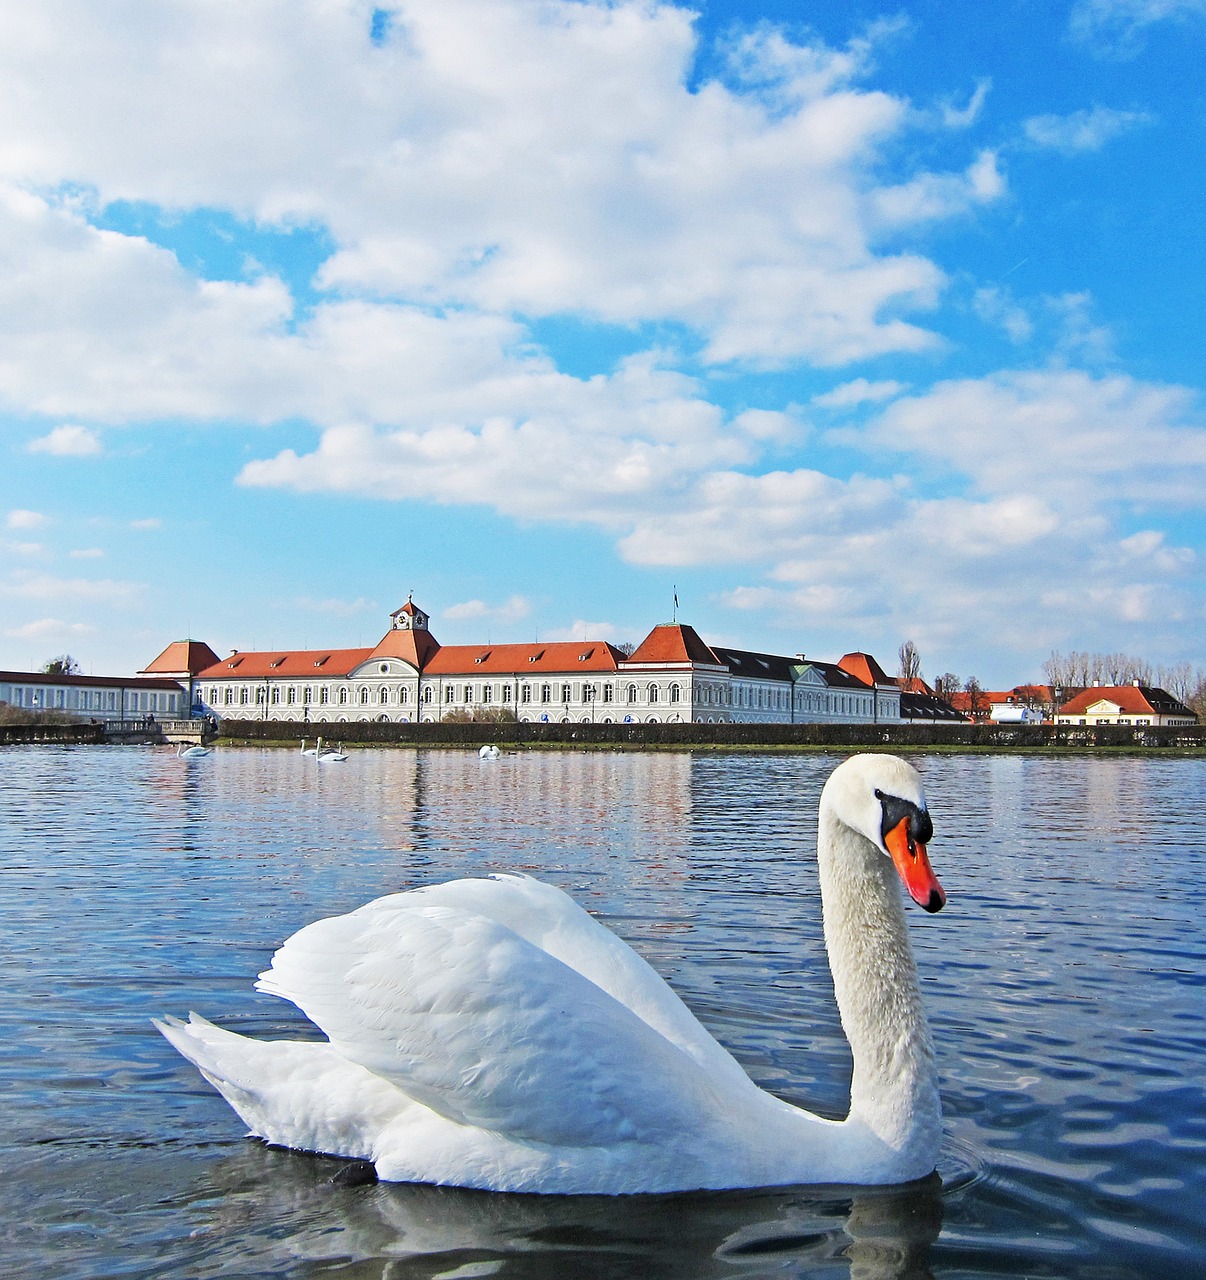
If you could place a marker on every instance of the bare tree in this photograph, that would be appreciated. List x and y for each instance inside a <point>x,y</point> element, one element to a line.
<point>946,684</point>
<point>910,661</point>
<point>977,703</point>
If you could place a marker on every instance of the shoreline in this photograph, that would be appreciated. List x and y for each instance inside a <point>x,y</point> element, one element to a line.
<point>937,739</point>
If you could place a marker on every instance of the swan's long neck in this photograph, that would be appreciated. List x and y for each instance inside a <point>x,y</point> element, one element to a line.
<point>894,1090</point>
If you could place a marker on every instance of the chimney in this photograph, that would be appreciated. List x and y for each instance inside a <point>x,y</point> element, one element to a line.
<point>1135,683</point>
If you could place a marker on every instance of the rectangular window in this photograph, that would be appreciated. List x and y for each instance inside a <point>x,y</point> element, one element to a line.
<point>525,693</point>
<point>244,696</point>
<point>449,692</point>
<point>607,693</point>
<point>276,695</point>
<point>565,692</point>
<point>291,695</point>
<point>468,693</point>
<point>546,693</point>
<point>487,693</point>
<point>506,693</point>
<point>323,694</point>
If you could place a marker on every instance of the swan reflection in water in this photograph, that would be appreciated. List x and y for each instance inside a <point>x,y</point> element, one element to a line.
<point>398,1230</point>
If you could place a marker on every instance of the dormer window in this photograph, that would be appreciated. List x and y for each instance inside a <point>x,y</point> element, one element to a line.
<point>318,662</point>
<point>276,662</point>
<point>384,668</point>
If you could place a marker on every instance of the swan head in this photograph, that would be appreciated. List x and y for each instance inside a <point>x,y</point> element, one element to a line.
<point>881,797</point>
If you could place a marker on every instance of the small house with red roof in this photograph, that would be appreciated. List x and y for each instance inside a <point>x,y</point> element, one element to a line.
<point>1131,704</point>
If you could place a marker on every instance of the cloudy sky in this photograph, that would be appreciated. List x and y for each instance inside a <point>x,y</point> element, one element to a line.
<point>853,323</point>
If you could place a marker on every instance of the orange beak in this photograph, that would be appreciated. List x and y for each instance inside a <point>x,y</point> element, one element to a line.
<point>913,866</point>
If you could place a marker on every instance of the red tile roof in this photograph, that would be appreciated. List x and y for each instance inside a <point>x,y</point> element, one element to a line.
<point>1129,698</point>
<point>415,647</point>
<point>864,666</point>
<point>674,642</point>
<point>301,664</point>
<point>560,656</point>
<point>182,657</point>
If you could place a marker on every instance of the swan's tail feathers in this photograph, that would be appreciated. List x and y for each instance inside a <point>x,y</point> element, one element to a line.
<point>299,1094</point>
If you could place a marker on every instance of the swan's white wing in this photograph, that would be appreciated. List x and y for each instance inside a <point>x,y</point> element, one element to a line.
<point>554,922</point>
<point>484,1027</point>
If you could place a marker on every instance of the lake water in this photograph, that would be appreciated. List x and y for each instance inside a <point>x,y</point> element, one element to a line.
<point>1065,981</point>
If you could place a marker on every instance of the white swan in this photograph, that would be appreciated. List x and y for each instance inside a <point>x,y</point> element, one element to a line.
<point>489,752</point>
<point>191,753</point>
<point>308,751</point>
<point>490,1033</point>
<point>332,755</point>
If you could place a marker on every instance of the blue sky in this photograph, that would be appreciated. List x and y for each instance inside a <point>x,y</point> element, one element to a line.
<point>854,323</point>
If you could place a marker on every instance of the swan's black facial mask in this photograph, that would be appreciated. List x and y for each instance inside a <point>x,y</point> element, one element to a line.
<point>895,811</point>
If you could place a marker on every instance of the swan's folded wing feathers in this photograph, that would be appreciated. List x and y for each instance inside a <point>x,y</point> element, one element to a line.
<point>488,1029</point>
<point>554,922</point>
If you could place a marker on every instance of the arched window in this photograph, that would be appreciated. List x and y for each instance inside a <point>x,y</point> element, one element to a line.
<point>632,693</point>
<point>675,693</point>
<point>364,696</point>
<point>653,693</point>
<point>403,695</point>
<point>427,694</point>
<point>383,695</point>
<point>343,697</point>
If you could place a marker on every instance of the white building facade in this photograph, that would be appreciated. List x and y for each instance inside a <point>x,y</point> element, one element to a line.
<point>672,677</point>
<point>110,699</point>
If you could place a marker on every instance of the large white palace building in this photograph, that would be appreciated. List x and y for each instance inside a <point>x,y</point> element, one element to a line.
<point>672,676</point>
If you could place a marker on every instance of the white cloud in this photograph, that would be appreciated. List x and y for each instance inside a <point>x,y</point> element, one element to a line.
<point>744,211</point>
<point>1087,130</point>
<point>19,519</point>
<point>333,607</point>
<point>43,586</point>
<point>964,117</point>
<point>149,522</point>
<point>996,306</point>
<point>49,629</point>
<point>513,609</point>
<point>1059,433</point>
<point>581,629</point>
<point>940,195</point>
<point>1116,27</point>
<point>851,394</point>
<point>67,441</point>
<point>88,553</point>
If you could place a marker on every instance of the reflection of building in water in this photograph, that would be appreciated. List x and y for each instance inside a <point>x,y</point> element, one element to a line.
<point>673,676</point>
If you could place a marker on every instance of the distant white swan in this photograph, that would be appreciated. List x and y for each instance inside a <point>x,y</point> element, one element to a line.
<point>332,755</point>
<point>490,1033</point>
<point>192,753</point>
<point>308,751</point>
<point>489,752</point>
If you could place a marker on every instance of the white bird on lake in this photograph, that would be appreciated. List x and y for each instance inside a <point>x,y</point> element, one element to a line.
<point>332,755</point>
<point>308,751</point>
<point>490,1033</point>
<point>489,752</point>
<point>192,753</point>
